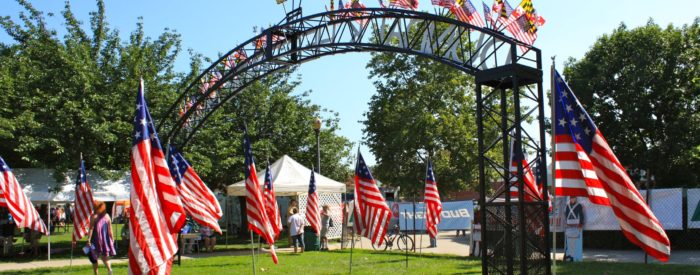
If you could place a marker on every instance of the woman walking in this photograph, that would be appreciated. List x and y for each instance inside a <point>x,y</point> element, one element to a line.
<point>325,225</point>
<point>100,240</point>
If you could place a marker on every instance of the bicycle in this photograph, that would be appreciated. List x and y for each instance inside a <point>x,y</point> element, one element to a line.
<point>403,241</point>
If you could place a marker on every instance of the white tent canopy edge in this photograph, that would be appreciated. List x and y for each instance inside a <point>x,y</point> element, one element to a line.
<point>290,179</point>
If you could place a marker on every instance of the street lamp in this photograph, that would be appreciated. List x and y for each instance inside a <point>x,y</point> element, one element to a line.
<point>317,129</point>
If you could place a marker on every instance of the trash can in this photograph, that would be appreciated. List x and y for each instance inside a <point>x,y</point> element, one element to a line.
<point>312,242</point>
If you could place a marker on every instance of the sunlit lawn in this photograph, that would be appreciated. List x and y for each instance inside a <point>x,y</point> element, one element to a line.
<point>369,262</point>
<point>61,245</point>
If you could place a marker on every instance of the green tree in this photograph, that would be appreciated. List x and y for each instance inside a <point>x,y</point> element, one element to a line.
<point>72,94</point>
<point>642,88</point>
<point>63,96</point>
<point>422,108</point>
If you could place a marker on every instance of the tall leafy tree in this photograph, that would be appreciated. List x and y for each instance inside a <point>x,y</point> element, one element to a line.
<point>76,93</point>
<point>422,109</point>
<point>72,94</point>
<point>642,87</point>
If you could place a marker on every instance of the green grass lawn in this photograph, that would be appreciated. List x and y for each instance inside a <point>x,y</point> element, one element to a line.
<point>61,245</point>
<point>368,262</point>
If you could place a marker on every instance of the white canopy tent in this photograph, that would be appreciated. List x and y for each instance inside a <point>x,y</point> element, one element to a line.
<point>290,179</point>
<point>41,186</point>
<point>36,183</point>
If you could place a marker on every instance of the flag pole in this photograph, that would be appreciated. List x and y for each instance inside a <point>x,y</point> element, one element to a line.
<point>425,219</point>
<point>554,163</point>
<point>405,223</point>
<point>354,220</point>
<point>252,248</point>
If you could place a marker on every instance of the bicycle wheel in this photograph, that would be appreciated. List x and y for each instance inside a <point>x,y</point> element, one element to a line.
<point>404,242</point>
<point>382,247</point>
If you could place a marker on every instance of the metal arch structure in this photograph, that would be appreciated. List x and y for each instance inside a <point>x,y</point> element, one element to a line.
<point>505,71</point>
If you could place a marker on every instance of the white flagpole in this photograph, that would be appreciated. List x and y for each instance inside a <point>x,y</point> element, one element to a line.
<point>252,248</point>
<point>425,219</point>
<point>354,219</point>
<point>554,163</point>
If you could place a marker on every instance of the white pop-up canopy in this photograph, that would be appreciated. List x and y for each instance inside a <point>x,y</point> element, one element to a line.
<point>37,182</point>
<point>290,179</point>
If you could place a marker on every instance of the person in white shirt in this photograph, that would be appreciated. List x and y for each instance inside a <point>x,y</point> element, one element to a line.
<point>296,229</point>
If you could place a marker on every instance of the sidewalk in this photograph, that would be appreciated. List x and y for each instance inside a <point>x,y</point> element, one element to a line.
<point>448,243</point>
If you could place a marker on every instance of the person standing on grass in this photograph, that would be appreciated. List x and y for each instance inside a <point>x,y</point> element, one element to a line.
<point>100,240</point>
<point>325,226</point>
<point>296,229</point>
<point>292,204</point>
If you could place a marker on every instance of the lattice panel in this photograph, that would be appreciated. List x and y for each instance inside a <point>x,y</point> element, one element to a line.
<point>334,201</point>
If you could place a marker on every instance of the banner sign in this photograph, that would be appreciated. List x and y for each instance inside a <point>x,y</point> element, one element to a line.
<point>456,215</point>
<point>693,208</point>
<point>664,203</point>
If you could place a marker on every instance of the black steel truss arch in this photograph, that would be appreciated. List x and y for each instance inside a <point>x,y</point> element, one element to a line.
<point>496,61</point>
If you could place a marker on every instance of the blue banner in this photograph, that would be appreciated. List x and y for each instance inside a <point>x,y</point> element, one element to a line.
<point>456,215</point>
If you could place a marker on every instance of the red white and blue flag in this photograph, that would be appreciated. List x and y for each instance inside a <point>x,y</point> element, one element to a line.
<point>21,208</point>
<point>443,3</point>
<point>586,166</point>
<point>156,212</point>
<point>313,216</point>
<point>433,205</point>
<point>406,4</point>
<point>84,204</point>
<point>489,18</point>
<point>371,213</point>
<point>518,157</point>
<point>197,199</point>
<point>255,203</point>
<point>271,207</point>
<point>466,12</point>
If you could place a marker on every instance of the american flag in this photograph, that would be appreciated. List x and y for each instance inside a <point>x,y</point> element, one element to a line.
<point>443,3</point>
<point>83,204</point>
<point>465,12</point>
<point>586,166</point>
<point>21,208</point>
<point>487,14</point>
<point>255,204</point>
<point>371,213</point>
<point>198,200</point>
<point>271,207</point>
<point>540,183</point>
<point>433,206</point>
<point>518,157</point>
<point>406,4</point>
<point>156,213</point>
<point>313,216</point>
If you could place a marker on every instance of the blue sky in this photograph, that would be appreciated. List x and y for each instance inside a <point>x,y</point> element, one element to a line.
<point>341,82</point>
